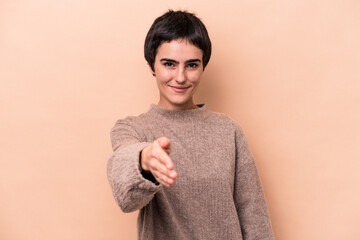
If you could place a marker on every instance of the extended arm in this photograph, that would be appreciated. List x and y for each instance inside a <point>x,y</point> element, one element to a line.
<point>130,189</point>
<point>136,168</point>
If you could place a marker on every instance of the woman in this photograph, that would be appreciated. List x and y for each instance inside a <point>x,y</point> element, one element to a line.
<point>188,170</point>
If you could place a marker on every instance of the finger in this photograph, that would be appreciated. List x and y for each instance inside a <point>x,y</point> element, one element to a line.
<point>164,142</point>
<point>164,180</point>
<point>157,166</point>
<point>166,160</point>
<point>173,174</point>
<point>162,156</point>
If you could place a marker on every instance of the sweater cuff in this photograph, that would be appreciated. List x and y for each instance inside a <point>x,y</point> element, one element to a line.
<point>126,164</point>
<point>147,174</point>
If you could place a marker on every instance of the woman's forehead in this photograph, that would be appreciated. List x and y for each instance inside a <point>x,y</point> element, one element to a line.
<point>178,49</point>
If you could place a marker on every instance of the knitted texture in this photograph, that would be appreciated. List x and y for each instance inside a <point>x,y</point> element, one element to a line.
<point>217,194</point>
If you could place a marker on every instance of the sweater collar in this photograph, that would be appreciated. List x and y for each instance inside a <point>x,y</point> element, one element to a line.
<point>155,110</point>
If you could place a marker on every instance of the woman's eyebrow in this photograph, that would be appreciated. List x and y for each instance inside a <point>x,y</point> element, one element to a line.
<point>168,60</point>
<point>174,61</point>
<point>193,60</point>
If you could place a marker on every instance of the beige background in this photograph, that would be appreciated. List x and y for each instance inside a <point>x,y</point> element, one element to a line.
<point>287,71</point>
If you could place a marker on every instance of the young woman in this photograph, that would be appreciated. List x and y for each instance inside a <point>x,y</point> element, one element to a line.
<point>187,169</point>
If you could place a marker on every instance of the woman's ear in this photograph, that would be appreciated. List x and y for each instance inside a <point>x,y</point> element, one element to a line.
<point>152,72</point>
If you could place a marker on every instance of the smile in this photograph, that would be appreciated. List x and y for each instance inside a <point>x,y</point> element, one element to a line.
<point>179,89</point>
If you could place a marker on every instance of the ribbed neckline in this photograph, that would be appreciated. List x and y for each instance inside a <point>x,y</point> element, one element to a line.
<point>155,110</point>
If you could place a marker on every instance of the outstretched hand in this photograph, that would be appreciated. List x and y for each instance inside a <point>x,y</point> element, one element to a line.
<point>155,159</point>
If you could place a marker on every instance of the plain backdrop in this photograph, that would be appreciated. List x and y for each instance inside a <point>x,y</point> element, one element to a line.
<point>287,71</point>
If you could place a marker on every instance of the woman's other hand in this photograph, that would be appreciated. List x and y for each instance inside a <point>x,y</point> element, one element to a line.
<point>155,159</point>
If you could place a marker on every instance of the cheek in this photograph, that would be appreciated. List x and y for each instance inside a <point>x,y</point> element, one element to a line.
<point>164,76</point>
<point>195,77</point>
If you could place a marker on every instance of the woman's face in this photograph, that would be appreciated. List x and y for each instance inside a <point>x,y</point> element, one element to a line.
<point>178,68</point>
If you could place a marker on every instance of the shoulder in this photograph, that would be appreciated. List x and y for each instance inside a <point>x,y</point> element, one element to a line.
<point>131,125</point>
<point>133,121</point>
<point>222,119</point>
<point>226,124</point>
<point>128,130</point>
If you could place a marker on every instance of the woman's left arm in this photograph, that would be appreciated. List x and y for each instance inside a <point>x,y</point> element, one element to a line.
<point>248,194</point>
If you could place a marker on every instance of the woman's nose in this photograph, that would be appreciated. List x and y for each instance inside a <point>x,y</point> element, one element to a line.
<point>180,77</point>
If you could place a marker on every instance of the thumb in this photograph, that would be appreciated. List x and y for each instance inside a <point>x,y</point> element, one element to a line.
<point>164,143</point>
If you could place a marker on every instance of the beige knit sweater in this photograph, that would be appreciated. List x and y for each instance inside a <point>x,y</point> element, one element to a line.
<point>217,194</point>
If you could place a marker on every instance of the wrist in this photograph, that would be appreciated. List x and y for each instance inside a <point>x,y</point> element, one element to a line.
<point>142,164</point>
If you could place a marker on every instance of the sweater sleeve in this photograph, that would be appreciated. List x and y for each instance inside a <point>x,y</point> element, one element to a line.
<point>130,189</point>
<point>248,194</point>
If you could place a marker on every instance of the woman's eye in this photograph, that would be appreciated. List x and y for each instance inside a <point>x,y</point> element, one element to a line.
<point>168,64</point>
<point>193,65</point>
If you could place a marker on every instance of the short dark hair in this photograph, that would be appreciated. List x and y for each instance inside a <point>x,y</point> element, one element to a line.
<point>177,25</point>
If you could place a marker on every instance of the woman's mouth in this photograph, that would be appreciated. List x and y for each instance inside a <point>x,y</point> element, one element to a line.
<point>179,89</point>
